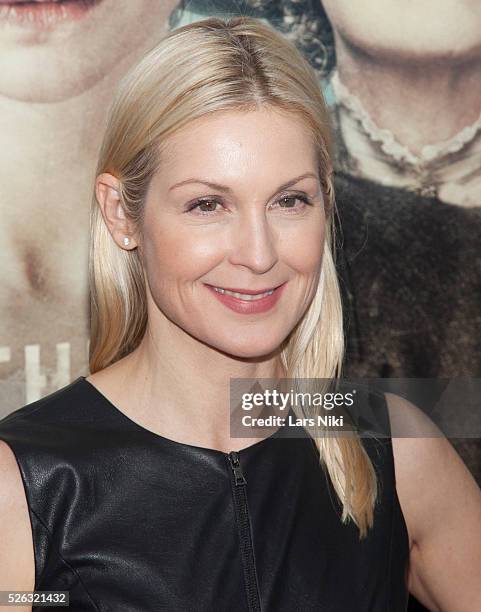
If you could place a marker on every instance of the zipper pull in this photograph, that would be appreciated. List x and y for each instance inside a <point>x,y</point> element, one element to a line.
<point>236,468</point>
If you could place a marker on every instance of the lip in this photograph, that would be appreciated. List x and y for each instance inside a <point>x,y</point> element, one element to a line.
<point>246,291</point>
<point>248,306</point>
<point>44,14</point>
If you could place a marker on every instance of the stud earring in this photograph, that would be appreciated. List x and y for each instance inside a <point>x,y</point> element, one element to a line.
<point>126,241</point>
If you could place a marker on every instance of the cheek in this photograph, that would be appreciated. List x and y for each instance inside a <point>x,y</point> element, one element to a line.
<point>179,254</point>
<point>302,247</point>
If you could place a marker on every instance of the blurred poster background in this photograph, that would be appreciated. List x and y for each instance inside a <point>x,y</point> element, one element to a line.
<point>58,72</point>
<point>402,80</point>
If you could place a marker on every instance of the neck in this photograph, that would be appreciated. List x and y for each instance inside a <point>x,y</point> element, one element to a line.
<point>190,381</point>
<point>49,149</point>
<point>404,97</point>
<point>48,162</point>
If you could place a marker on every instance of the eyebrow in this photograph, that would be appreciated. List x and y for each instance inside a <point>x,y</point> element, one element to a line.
<point>227,189</point>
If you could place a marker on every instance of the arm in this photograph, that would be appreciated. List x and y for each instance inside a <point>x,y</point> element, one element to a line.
<point>17,565</point>
<point>441,503</point>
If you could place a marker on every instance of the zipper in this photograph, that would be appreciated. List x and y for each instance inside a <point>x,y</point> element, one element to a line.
<point>239,491</point>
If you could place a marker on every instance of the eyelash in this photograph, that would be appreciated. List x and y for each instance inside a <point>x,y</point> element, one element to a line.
<point>297,196</point>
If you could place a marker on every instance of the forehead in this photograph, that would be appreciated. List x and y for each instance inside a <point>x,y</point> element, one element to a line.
<point>232,144</point>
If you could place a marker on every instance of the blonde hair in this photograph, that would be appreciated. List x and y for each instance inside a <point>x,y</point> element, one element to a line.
<point>208,66</point>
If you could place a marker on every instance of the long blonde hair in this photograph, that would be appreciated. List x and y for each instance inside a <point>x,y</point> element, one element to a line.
<point>208,66</point>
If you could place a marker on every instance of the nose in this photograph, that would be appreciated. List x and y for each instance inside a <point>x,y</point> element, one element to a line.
<point>253,242</point>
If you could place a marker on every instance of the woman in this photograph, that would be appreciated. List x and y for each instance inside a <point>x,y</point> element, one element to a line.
<point>213,179</point>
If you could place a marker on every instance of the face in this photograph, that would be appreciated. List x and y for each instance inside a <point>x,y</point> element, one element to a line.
<point>248,215</point>
<point>50,52</point>
<point>436,29</point>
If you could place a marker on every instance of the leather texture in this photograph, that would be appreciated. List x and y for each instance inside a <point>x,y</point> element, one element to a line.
<point>127,520</point>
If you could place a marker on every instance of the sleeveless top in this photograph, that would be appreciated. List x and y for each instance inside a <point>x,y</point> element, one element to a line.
<point>127,520</point>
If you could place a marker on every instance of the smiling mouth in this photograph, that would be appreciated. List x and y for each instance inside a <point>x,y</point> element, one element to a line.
<point>245,294</point>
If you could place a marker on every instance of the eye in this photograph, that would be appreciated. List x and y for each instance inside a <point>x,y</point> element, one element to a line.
<point>288,202</point>
<point>208,206</point>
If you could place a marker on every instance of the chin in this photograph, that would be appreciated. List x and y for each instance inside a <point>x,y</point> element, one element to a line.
<point>250,350</point>
<point>26,80</point>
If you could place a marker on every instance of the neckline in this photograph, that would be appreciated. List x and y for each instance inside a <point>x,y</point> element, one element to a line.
<point>201,449</point>
<point>430,154</point>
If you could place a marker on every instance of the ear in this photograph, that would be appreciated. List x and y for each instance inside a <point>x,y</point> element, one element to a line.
<point>108,194</point>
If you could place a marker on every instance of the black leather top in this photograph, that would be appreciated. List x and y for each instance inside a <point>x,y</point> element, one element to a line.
<point>128,520</point>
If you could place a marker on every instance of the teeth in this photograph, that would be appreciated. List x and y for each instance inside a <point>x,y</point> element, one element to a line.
<point>244,296</point>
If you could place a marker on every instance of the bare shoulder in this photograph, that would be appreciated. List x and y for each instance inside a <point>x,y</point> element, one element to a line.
<point>441,504</point>
<point>17,564</point>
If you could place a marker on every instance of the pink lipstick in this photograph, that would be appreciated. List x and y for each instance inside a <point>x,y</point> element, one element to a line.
<point>261,301</point>
<point>43,14</point>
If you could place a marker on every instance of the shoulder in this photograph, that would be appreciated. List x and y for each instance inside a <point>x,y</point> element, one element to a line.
<point>39,444</point>
<point>56,431</point>
<point>46,416</point>
<point>29,438</point>
<point>441,504</point>
<point>16,550</point>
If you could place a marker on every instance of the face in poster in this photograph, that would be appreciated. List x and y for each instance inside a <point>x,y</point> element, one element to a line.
<point>59,67</point>
<point>405,84</point>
